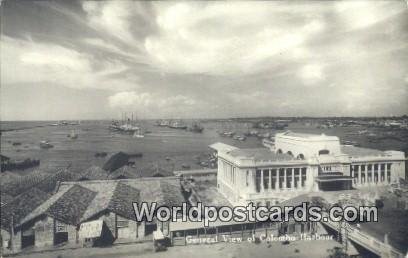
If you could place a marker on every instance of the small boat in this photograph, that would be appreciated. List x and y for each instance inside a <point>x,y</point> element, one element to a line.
<point>196,128</point>
<point>239,137</point>
<point>73,135</point>
<point>178,125</point>
<point>227,134</point>
<point>185,166</point>
<point>138,134</point>
<point>46,145</point>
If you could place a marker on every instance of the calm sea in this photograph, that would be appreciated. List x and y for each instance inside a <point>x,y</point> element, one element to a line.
<point>163,147</point>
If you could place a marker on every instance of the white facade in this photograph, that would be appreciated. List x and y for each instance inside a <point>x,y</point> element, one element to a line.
<point>301,163</point>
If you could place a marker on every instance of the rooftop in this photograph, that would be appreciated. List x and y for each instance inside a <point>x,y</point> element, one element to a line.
<point>260,154</point>
<point>95,196</point>
<point>196,172</point>
<point>72,204</point>
<point>21,206</point>
<point>307,135</point>
<point>353,151</point>
<point>219,146</point>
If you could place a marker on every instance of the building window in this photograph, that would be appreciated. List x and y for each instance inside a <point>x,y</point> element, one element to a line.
<point>60,227</point>
<point>247,178</point>
<point>258,180</point>
<point>303,176</point>
<point>273,171</point>
<point>324,152</point>
<point>122,223</point>
<point>281,177</point>
<point>289,172</point>
<point>266,179</point>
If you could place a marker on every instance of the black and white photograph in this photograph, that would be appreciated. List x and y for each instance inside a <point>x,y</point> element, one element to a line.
<point>238,129</point>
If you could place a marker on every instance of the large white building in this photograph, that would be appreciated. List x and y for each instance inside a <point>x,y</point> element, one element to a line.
<point>301,163</point>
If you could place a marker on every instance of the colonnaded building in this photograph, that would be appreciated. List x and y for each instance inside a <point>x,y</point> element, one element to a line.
<point>300,163</point>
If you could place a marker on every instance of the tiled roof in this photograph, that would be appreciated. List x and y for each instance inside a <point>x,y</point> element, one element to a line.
<point>75,202</point>
<point>93,173</point>
<point>70,207</point>
<point>21,206</point>
<point>15,185</point>
<point>122,200</point>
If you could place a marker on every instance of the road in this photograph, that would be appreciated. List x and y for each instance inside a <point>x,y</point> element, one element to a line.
<point>228,250</point>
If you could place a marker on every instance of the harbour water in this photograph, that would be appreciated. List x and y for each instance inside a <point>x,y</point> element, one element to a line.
<point>164,147</point>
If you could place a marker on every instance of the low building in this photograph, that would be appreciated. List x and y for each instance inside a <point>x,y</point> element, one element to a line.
<point>301,163</point>
<point>58,219</point>
<point>14,212</point>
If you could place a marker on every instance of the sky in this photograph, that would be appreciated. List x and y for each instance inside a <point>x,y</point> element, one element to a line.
<point>184,59</point>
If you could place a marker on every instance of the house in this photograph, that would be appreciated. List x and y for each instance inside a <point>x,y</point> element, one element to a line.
<point>13,212</point>
<point>57,220</point>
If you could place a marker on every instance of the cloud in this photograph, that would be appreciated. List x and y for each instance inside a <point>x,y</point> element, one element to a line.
<point>215,58</point>
<point>311,73</point>
<point>361,14</point>
<point>153,103</point>
<point>214,38</point>
<point>128,99</point>
<point>110,16</point>
<point>51,63</point>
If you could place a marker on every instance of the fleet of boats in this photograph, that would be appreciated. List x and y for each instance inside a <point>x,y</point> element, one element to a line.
<point>128,126</point>
<point>195,127</point>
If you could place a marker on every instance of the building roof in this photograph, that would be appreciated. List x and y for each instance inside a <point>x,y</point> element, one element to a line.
<point>4,158</point>
<point>353,151</point>
<point>5,198</point>
<point>207,193</point>
<point>125,172</point>
<point>15,185</point>
<point>75,202</point>
<point>50,182</point>
<point>70,207</point>
<point>310,136</point>
<point>219,146</point>
<point>21,206</point>
<point>197,172</point>
<point>93,173</point>
<point>116,161</point>
<point>122,200</point>
<point>260,154</point>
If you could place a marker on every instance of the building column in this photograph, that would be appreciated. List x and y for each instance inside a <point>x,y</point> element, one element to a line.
<point>293,179</point>
<point>359,174</point>
<point>262,181</point>
<point>277,173</point>
<point>270,179</point>
<point>284,179</point>
<point>253,180</point>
